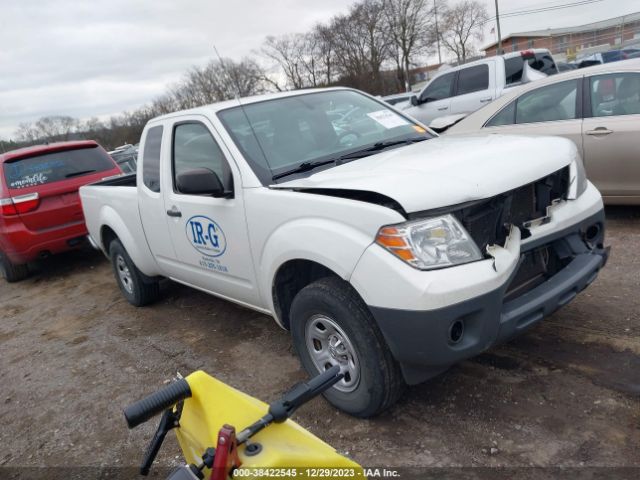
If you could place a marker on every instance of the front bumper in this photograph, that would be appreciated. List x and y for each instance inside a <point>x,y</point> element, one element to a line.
<point>421,339</point>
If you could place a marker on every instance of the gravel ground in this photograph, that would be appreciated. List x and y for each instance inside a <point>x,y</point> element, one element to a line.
<point>74,353</point>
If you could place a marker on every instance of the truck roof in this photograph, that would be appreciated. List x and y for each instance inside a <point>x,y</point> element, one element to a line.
<point>45,148</point>
<point>218,106</point>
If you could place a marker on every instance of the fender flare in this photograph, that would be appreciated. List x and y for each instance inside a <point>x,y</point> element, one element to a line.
<point>332,244</point>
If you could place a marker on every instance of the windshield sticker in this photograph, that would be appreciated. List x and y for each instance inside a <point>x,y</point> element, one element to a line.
<point>206,236</point>
<point>387,118</point>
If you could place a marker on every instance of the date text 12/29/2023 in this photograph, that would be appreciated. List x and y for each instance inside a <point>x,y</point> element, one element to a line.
<point>337,473</point>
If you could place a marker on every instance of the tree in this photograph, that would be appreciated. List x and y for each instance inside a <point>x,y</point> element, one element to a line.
<point>461,24</point>
<point>410,28</point>
<point>288,52</point>
<point>361,46</point>
<point>324,51</point>
<point>219,80</point>
<point>47,129</point>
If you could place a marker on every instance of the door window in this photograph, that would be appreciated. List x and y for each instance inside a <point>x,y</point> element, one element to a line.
<point>473,79</point>
<point>547,104</point>
<point>151,159</point>
<point>506,116</point>
<point>439,89</point>
<point>615,94</point>
<point>193,148</point>
<point>513,69</point>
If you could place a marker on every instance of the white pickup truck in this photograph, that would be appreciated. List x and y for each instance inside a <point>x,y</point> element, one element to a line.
<point>461,90</point>
<point>384,249</point>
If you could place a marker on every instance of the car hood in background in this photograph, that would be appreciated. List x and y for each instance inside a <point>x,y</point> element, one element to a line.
<point>446,171</point>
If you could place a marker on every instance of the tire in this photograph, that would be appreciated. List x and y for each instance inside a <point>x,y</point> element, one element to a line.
<point>373,381</point>
<point>12,272</point>
<point>137,288</point>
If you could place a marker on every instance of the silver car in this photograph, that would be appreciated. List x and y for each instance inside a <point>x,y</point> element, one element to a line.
<point>598,108</point>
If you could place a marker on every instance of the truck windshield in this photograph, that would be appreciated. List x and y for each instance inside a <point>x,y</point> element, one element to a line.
<point>277,136</point>
<point>56,166</point>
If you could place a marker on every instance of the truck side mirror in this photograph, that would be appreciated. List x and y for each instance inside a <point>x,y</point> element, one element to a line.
<point>201,181</point>
<point>414,100</point>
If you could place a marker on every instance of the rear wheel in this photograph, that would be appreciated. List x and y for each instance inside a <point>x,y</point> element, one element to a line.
<point>137,288</point>
<point>12,272</point>
<point>331,325</point>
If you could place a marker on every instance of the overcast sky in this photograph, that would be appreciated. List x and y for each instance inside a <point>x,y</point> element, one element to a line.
<point>101,57</point>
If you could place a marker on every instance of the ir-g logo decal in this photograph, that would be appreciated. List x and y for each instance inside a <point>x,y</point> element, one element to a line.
<point>206,236</point>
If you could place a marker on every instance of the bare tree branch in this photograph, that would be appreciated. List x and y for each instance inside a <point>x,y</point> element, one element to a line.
<point>461,24</point>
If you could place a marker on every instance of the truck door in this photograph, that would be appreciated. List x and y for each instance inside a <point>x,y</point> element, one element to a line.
<point>474,88</point>
<point>435,99</point>
<point>209,234</point>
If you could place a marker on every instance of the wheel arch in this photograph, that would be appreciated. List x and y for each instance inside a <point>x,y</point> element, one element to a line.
<point>113,227</point>
<point>291,277</point>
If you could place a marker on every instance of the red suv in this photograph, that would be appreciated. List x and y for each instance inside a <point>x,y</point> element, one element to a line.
<point>40,211</point>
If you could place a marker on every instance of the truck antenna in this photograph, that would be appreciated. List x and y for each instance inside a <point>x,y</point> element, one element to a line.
<point>234,81</point>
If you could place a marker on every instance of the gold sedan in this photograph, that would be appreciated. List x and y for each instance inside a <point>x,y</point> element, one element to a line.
<point>598,108</point>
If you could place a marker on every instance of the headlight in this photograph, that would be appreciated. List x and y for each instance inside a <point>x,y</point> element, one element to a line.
<point>578,177</point>
<point>432,243</point>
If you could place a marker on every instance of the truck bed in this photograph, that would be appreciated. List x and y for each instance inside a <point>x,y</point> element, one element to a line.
<point>128,180</point>
<point>113,204</point>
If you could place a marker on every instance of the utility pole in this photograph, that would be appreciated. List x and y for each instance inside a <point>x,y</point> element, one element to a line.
<point>435,13</point>
<point>499,50</point>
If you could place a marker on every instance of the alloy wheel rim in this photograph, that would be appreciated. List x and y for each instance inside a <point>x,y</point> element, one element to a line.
<point>328,345</point>
<point>124,274</point>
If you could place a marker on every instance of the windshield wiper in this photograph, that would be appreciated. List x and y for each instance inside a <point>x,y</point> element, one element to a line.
<point>376,147</point>
<point>303,167</point>
<point>81,172</point>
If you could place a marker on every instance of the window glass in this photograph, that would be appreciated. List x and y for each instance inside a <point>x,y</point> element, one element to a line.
<point>615,94</point>
<point>439,89</point>
<point>56,166</point>
<point>546,104</point>
<point>506,116</point>
<point>513,69</point>
<point>473,79</point>
<point>151,159</point>
<point>613,56</point>
<point>193,148</point>
<point>276,136</point>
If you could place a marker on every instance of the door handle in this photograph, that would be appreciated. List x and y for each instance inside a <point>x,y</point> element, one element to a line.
<point>599,131</point>
<point>174,212</point>
<point>485,100</point>
<point>443,108</point>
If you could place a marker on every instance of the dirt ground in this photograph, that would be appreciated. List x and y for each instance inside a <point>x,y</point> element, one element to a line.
<point>73,353</point>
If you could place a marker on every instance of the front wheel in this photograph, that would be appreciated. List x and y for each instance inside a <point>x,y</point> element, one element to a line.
<point>137,288</point>
<point>331,325</point>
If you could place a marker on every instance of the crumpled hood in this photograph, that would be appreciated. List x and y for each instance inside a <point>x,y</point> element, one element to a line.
<point>447,171</point>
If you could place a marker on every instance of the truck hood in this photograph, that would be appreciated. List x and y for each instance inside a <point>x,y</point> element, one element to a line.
<point>446,171</point>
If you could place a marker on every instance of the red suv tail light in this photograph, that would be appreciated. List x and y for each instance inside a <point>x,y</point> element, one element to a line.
<point>20,204</point>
